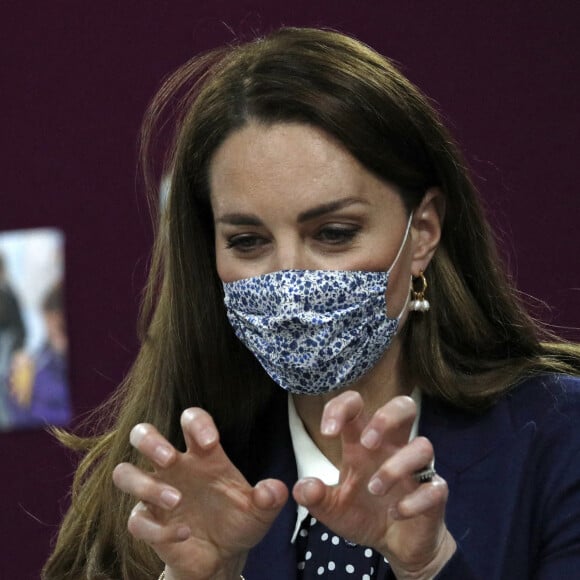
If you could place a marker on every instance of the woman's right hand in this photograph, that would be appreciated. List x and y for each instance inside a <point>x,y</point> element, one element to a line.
<point>195,509</point>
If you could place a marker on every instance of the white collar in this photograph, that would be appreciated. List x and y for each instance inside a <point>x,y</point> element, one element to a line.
<point>311,462</point>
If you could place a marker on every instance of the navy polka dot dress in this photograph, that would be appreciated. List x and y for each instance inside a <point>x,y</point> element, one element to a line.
<point>322,554</point>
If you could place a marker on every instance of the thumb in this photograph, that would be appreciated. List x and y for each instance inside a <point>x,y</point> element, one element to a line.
<point>269,497</point>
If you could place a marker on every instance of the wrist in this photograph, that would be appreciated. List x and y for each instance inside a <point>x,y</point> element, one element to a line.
<point>443,554</point>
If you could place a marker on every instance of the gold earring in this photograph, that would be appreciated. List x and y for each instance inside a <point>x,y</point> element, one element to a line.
<point>418,301</point>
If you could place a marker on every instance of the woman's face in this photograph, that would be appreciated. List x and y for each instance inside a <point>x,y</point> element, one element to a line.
<point>288,196</point>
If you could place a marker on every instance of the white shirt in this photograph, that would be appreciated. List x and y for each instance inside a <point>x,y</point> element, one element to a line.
<point>311,462</point>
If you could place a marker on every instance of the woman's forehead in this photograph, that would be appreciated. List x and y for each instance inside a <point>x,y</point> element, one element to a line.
<point>290,163</point>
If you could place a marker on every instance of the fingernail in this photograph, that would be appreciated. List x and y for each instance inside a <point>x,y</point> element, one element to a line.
<point>306,485</point>
<point>183,533</point>
<point>329,427</point>
<point>162,455</point>
<point>139,507</point>
<point>170,498</point>
<point>206,437</point>
<point>376,486</point>
<point>137,434</point>
<point>370,439</point>
<point>188,415</point>
<point>265,489</point>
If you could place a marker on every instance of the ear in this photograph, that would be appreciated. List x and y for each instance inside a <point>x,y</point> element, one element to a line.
<point>426,229</point>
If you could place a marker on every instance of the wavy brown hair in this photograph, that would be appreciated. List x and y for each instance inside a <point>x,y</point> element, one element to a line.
<point>474,344</point>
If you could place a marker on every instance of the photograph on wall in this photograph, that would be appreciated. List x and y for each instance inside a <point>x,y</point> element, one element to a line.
<point>34,386</point>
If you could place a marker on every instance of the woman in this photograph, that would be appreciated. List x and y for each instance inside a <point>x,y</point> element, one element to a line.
<point>321,235</point>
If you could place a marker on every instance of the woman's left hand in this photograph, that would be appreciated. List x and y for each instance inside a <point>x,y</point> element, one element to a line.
<point>377,501</point>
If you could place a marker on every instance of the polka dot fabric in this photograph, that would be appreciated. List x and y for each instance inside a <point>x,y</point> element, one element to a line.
<point>322,554</point>
<point>312,330</point>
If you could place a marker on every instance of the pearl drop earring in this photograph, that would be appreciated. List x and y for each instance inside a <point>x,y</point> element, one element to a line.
<point>418,301</point>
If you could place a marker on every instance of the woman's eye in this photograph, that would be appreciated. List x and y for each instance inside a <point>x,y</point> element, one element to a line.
<point>245,242</point>
<point>337,234</point>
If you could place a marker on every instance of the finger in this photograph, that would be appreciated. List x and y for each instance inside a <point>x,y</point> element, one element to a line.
<point>143,486</point>
<point>343,415</point>
<point>199,430</point>
<point>391,424</point>
<point>143,526</point>
<point>148,441</point>
<point>427,497</point>
<point>403,464</point>
<point>310,492</point>
<point>269,495</point>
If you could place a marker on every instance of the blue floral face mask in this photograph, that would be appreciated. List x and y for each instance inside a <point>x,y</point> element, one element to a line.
<point>314,331</point>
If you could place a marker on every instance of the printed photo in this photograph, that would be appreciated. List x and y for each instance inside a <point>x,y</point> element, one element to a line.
<point>34,386</point>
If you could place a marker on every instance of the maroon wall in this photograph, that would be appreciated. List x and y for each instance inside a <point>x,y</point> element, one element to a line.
<point>75,80</point>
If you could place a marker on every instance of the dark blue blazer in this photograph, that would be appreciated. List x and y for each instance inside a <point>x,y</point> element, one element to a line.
<point>514,486</point>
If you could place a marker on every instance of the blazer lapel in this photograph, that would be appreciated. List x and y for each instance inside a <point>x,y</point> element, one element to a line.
<point>463,439</point>
<point>483,459</point>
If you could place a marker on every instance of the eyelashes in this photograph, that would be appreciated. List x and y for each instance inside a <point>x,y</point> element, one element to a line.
<point>336,236</point>
<point>245,243</point>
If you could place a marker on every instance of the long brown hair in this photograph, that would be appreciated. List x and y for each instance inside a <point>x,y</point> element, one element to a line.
<point>475,343</point>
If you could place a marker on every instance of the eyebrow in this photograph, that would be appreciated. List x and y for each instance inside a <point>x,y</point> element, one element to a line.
<point>242,219</point>
<point>325,208</point>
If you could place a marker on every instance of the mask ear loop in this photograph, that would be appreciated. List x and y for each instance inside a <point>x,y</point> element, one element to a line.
<point>402,246</point>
